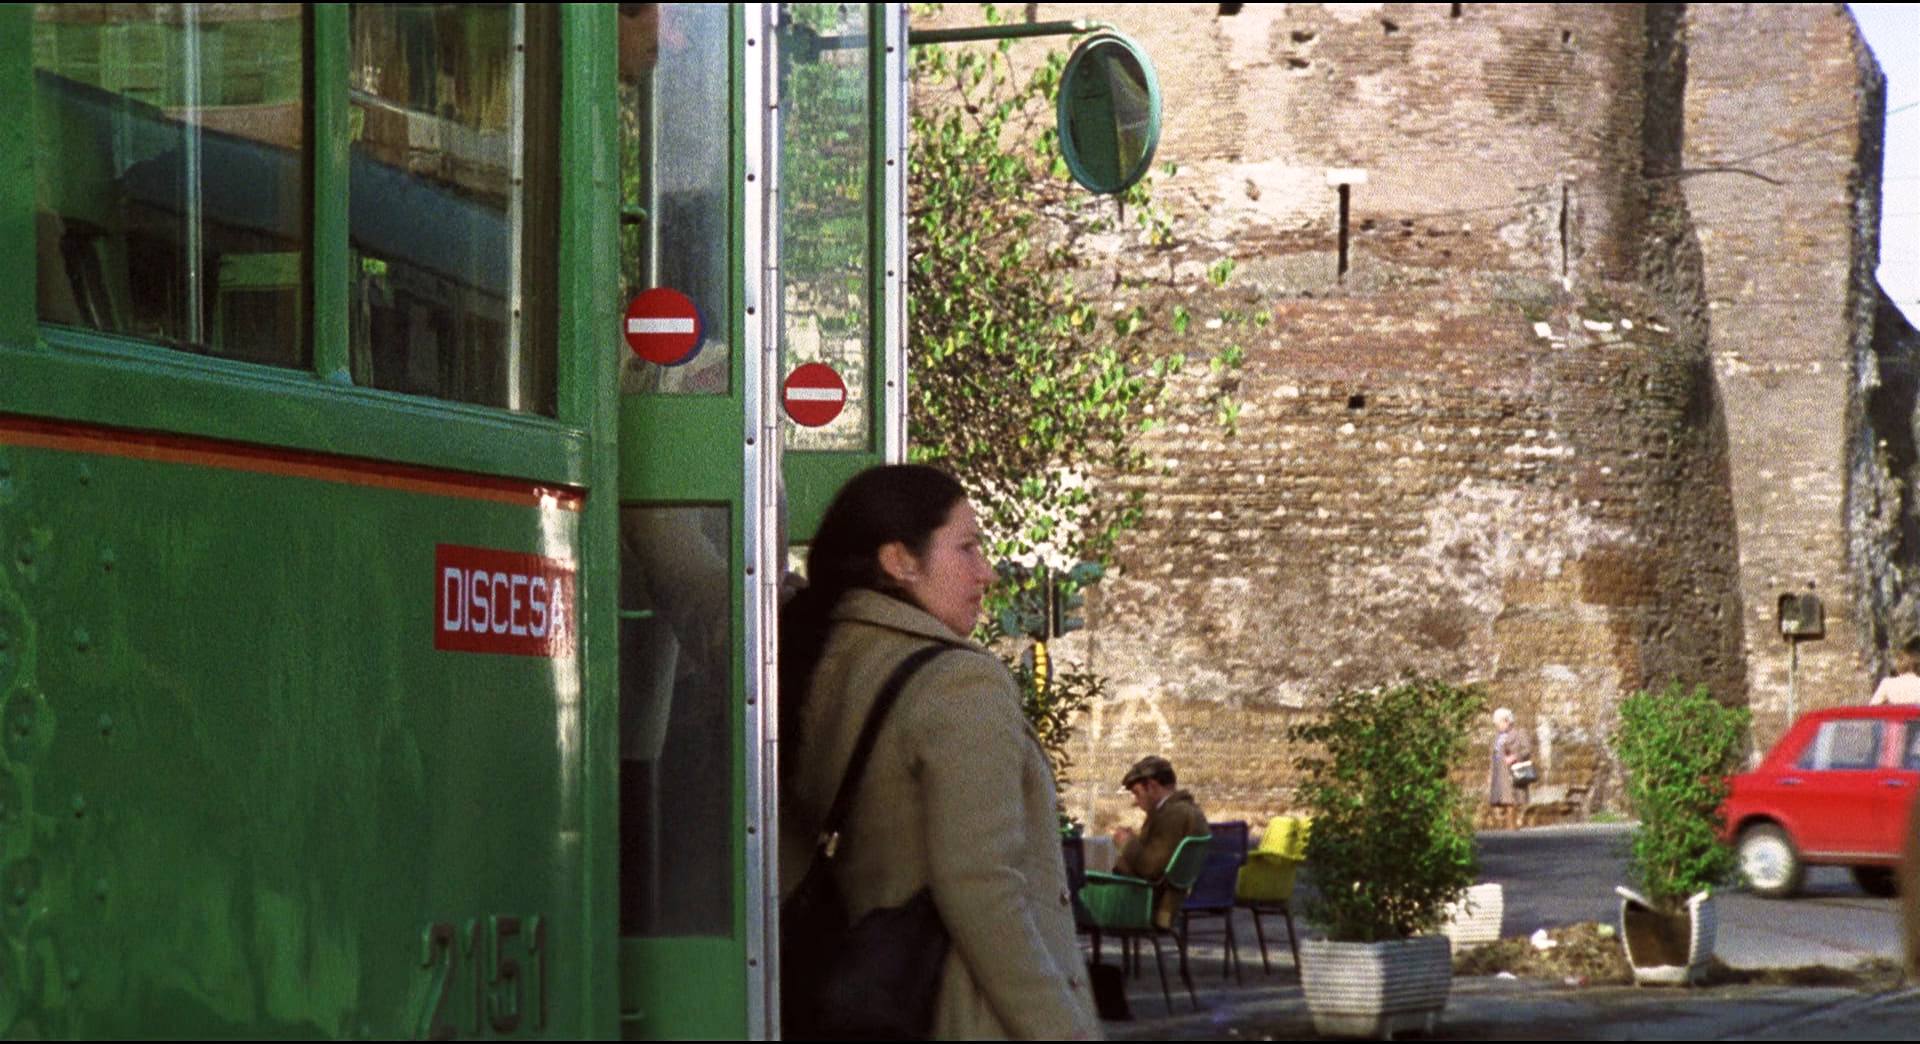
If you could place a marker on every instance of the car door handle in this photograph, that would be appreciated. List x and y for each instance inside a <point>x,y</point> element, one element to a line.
<point>1893,782</point>
<point>1789,781</point>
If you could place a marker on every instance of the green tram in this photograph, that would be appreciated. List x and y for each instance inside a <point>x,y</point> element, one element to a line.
<point>387,585</point>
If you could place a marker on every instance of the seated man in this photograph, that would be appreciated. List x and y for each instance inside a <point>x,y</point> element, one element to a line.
<point>1171,815</point>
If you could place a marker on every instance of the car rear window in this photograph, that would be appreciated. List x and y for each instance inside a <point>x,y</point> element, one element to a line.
<point>1853,744</point>
<point>1910,758</point>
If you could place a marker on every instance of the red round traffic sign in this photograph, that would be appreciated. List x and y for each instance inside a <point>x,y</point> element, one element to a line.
<point>663,326</point>
<point>814,395</point>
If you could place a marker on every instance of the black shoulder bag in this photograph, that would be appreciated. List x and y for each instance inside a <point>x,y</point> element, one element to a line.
<point>875,980</point>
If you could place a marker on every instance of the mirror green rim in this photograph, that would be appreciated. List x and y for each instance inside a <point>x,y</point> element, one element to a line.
<point>1076,63</point>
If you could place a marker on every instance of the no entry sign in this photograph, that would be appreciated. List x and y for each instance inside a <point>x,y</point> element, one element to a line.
<point>814,395</point>
<point>663,326</point>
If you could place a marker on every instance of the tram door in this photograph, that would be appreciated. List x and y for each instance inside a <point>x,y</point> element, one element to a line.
<point>760,192</point>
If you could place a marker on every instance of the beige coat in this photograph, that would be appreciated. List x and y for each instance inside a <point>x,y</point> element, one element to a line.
<point>958,795</point>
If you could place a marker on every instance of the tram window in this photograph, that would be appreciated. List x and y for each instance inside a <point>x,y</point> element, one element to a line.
<point>825,206</point>
<point>452,201</point>
<point>676,721</point>
<point>674,181</point>
<point>172,175</point>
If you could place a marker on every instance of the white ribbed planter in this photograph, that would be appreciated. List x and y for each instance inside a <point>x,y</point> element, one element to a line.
<point>1663,951</point>
<point>1376,989</point>
<point>1477,917</point>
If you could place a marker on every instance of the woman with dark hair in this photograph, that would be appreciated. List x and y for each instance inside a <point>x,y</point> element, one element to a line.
<point>958,796</point>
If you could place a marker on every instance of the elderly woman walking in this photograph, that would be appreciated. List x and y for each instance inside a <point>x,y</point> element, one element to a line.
<point>1510,747</point>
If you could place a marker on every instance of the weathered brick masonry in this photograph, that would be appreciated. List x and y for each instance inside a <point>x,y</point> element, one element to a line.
<point>1783,125</point>
<point>1582,406</point>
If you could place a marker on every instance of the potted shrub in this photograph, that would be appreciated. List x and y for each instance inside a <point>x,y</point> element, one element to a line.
<point>1676,749</point>
<point>1392,846</point>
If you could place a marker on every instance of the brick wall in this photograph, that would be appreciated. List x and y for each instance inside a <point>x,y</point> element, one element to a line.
<point>1783,129</point>
<point>1530,438</point>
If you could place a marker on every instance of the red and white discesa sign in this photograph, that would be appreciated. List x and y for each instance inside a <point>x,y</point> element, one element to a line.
<point>489,601</point>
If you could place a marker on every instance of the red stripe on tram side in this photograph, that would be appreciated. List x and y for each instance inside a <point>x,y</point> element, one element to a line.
<point>262,460</point>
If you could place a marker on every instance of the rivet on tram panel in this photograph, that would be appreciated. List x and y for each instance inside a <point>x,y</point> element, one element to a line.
<point>86,475</point>
<point>79,806</point>
<point>106,724</point>
<point>100,889</point>
<point>73,977</point>
<point>81,639</point>
<point>108,559</point>
<point>25,554</point>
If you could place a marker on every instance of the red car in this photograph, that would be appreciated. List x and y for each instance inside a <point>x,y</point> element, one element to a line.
<point>1834,791</point>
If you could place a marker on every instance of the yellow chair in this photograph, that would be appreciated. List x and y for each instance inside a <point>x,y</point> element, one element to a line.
<point>1266,881</point>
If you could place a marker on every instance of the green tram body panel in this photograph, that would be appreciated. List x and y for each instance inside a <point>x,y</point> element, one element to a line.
<point>242,787</point>
<point>250,784</point>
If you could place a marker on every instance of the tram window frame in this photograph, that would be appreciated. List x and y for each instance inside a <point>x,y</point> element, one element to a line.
<point>675,178</point>
<point>440,300</point>
<point>815,36</point>
<point>153,72</point>
<point>136,381</point>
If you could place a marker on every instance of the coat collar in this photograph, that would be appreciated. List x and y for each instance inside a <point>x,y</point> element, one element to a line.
<point>871,607</point>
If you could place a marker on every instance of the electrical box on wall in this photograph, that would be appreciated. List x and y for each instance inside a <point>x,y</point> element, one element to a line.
<point>1802,617</point>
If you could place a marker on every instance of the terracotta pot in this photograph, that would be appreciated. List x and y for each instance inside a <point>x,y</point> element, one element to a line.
<point>1667,949</point>
<point>1376,989</point>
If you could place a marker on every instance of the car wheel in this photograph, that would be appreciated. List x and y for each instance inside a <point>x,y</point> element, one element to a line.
<point>1769,863</point>
<point>1876,880</point>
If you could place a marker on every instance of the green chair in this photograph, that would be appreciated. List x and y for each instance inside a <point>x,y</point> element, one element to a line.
<point>1266,881</point>
<point>1122,906</point>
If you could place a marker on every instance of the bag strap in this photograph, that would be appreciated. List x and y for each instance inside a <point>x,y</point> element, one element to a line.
<point>869,735</point>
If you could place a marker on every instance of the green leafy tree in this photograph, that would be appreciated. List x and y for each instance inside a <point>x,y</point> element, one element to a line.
<point>1392,839</point>
<point>1017,383</point>
<point>1676,748</point>
<point>1023,383</point>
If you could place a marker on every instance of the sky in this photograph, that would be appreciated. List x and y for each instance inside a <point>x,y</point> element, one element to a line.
<point>1893,31</point>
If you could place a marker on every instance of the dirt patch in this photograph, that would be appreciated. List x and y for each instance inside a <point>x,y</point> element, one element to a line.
<point>1590,955</point>
<point>1581,955</point>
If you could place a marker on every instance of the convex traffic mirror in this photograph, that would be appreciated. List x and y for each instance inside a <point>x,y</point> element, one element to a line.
<point>1109,113</point>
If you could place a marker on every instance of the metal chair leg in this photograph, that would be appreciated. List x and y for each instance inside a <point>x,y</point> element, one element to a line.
<point>1233,949</point>
<point>1293,935</point>
<point>1165,994</point>
<point>1186,974</point>
<point>1266,966</point>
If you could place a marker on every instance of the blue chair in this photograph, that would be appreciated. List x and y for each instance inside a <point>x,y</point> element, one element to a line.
<point>1122,906</point>
<point>1213,893</point>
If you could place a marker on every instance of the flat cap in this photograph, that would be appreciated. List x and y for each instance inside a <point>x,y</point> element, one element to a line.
<point>1146,768</point>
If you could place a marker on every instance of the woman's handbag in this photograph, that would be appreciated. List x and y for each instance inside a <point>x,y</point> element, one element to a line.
<point>874,980</point>
<point>1524,774</point>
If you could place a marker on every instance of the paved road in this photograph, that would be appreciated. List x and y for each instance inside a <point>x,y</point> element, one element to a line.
<point>1494,1009</point>
<point>1556,876</point>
